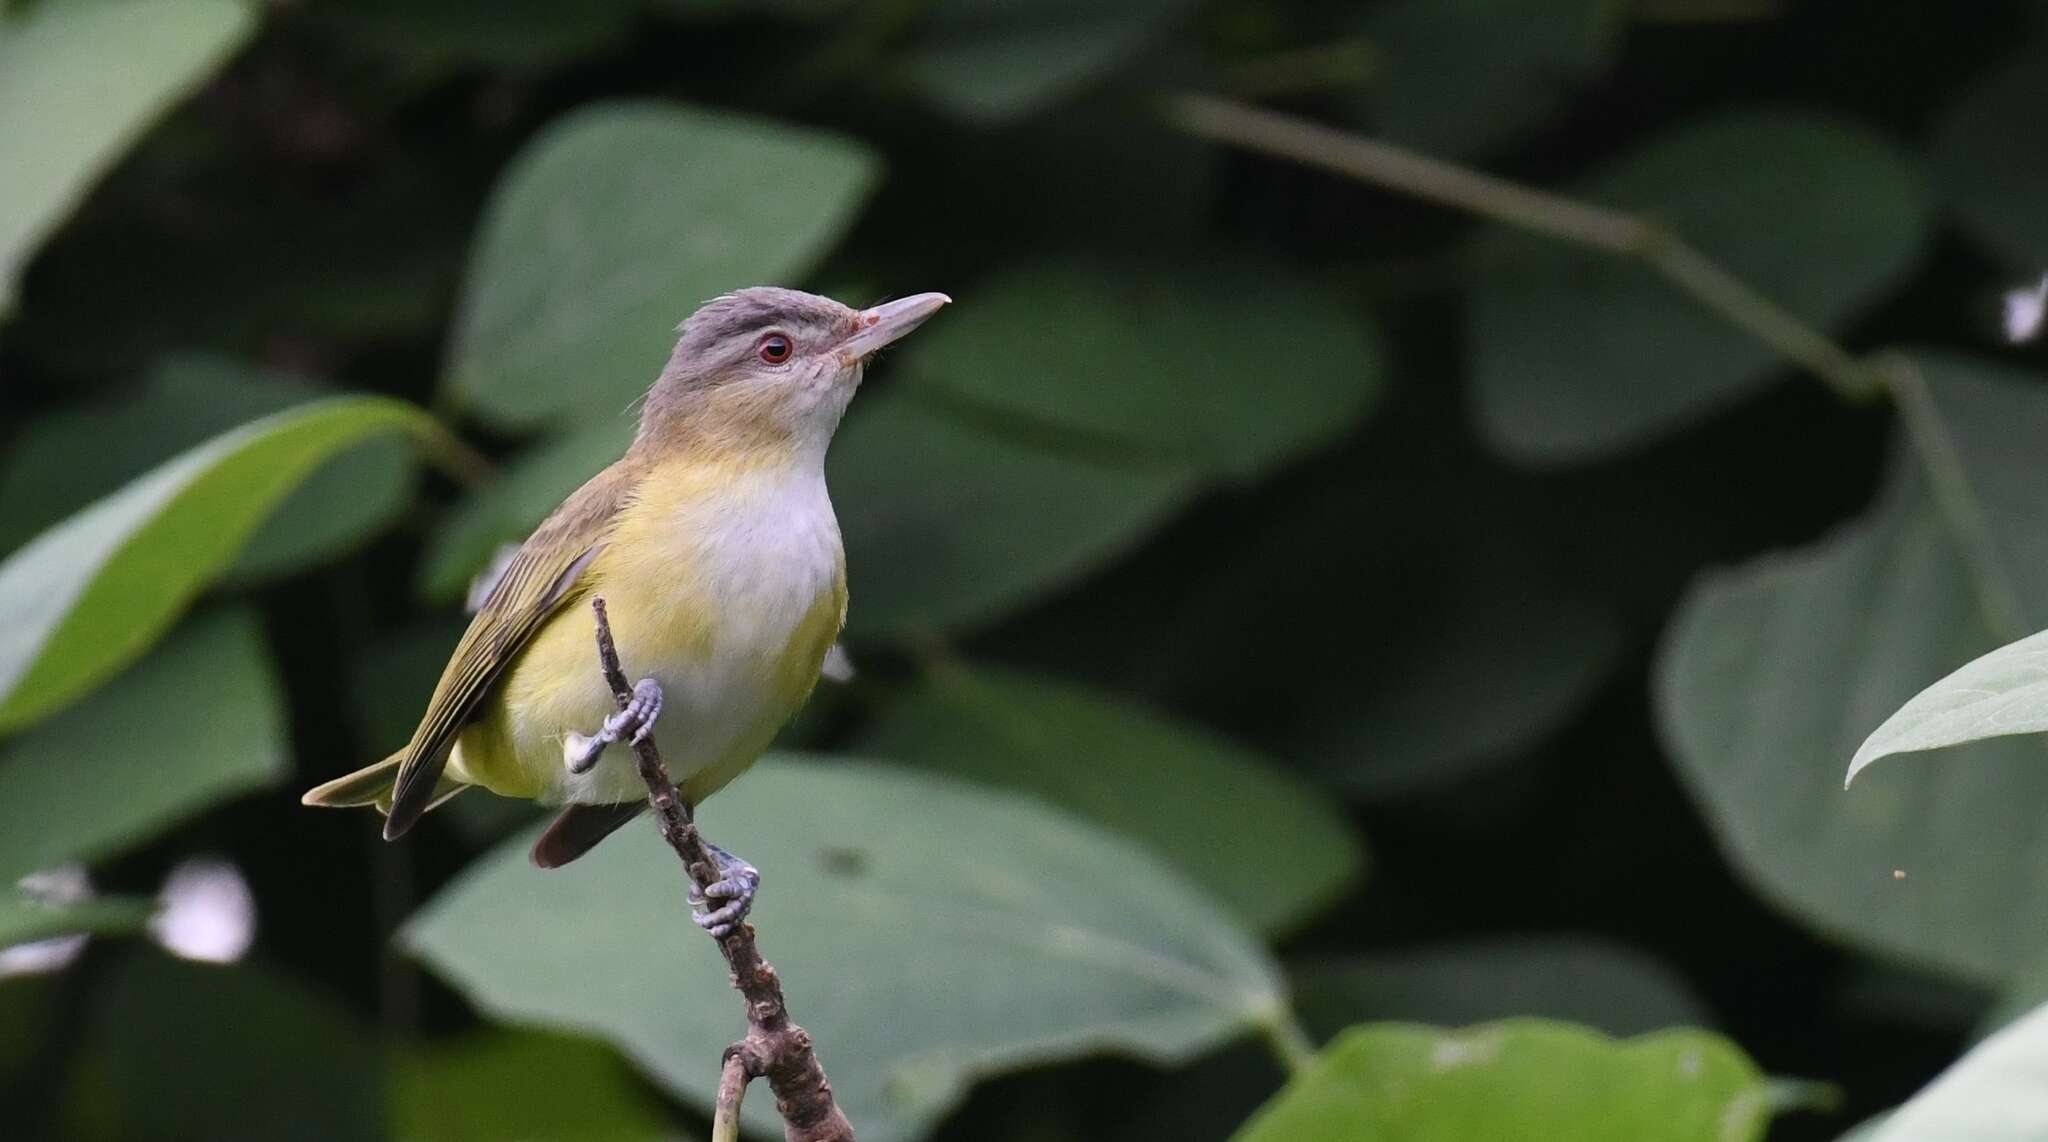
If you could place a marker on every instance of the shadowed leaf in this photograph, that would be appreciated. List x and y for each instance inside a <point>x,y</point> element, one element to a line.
<point>615,224</point>
<point>78,84</point>
<point>928,932</point>
<point>196,722</point>
<point>1154,780</point>
<point>1579,353</point>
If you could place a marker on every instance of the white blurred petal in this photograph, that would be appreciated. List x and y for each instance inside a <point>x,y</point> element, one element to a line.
<point>2024,309</point>
<point>40,956</point>
<point>206,912</point>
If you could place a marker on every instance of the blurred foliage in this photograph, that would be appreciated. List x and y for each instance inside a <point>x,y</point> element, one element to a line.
<point>1238,521</point>
<point>1516,1081</point>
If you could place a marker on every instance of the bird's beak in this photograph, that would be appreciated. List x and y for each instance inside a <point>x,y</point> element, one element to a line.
<point>886,322</point>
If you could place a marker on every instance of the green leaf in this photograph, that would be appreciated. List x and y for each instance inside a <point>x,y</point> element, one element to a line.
<point>1524,1079</point>
<point>198,721</point>
<point>614,224</point>
<point>948,524</point>
<point>79,83</point>
<point>987,61</point>
<point>1989,159</point>
<point>23,918</point>
<point>88,596</point>
<point>2000,694</point>
<point>229,1054</point>
<point>1992,1094</point>
<point>1458,77</point>
<point>1229,368</point>
<point>507,509</point>
<point>928,933</point>
<point>1579,979</point>
<point>1772,673</point>
<point>1579,353</point>
<point>534,1087</point>
<point>1169,785</point>
<point>62,462</point>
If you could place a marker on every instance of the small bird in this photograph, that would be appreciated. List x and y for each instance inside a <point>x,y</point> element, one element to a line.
<point>714,546</point>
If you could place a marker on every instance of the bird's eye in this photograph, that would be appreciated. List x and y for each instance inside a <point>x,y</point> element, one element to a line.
<point>775,348</point>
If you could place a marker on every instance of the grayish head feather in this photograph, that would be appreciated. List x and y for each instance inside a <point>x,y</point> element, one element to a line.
<point>726,327</point>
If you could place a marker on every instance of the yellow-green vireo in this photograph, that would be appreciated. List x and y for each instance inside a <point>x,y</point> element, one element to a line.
<point>715,548</point>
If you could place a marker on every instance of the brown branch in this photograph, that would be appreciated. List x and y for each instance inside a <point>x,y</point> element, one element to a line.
<point>774,1048</point>
<point>1539,211</point>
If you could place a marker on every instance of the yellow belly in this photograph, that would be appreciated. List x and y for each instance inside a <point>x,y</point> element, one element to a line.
<point>720,714</point>
<point>735,635</point>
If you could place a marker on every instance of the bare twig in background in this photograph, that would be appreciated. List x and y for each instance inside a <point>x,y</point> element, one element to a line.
<point>774,1048</point>
<point>1617,232</point>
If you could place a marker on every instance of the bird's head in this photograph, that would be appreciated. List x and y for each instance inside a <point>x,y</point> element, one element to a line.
<point>769,367</point>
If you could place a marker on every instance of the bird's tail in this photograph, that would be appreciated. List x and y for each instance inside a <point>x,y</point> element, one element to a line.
<point>372,785</point>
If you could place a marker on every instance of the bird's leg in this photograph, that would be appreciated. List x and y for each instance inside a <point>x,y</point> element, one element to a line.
<point>731,895</point>
<point>632,723</point>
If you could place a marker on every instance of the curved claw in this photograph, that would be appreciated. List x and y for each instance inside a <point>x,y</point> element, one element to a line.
<point>633,722</point>
<point>733,893</point>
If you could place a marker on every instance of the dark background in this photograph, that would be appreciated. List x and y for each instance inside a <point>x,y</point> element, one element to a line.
<point>311,208</point>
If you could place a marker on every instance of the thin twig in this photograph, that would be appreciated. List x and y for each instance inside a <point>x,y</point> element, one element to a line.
<point>774,1047</point>
<point>732,1090</point>
<point>1615,231</point>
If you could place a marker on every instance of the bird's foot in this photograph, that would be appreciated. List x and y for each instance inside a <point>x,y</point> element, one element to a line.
<point>632,723</point>
<point>730,897</point>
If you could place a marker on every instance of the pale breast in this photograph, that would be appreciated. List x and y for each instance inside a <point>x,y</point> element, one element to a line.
<point>727,588</point>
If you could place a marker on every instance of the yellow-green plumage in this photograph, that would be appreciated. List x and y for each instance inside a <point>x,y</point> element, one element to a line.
<point>752,622</point>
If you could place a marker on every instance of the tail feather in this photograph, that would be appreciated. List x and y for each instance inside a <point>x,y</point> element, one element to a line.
<point>578,830</point>
<point>372,786</point>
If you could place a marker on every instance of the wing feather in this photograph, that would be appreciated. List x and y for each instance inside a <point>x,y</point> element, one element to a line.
<point>540,580</point>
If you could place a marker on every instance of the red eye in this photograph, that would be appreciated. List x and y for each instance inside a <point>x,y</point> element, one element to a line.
<point>776,348</point>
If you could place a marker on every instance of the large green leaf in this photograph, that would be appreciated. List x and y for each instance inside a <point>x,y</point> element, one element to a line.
<point>1992,1094</point>
<point>89,595</point>
<point>617,222</point>
<point>523,1085</point>
<point>1523,1080</point>
<point>66,460</point>
<point>1990,159</point>
<point>1578,979</point>
<point>992,60</point>
<point>1169,785</point>
<point>1457,77</point>
<point>949,524</point>
<point>508,508</point>
<point>1578,352</point>
<point>928,932</point>
<point>196,722</point>
<point>1228,367</point>
<point>1772,674</point>
<point>78,84</point>
<point>175,1050</point>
